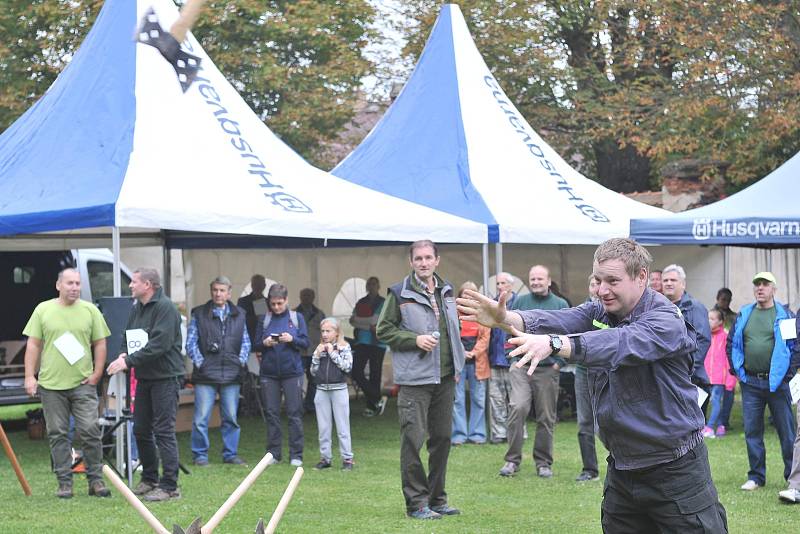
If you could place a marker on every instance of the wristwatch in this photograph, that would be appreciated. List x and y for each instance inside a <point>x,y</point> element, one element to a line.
<point>555,344</point>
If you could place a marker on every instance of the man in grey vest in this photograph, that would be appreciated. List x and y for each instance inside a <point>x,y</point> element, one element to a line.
<point>218,344</point>
<point>419,322</point>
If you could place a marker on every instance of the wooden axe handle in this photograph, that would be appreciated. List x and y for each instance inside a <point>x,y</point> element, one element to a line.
<point>14,463</point>
<point>134,501</point>
<point>284,503</point>
<point>240,490</point>
<point>186,19</point>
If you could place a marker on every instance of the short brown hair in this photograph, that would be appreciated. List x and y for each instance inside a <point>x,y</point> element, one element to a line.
<point>422,243</point>
<point>148,274</point>
<point>633,255</point>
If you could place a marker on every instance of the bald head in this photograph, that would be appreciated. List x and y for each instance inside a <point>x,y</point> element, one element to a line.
<point>539,280</point>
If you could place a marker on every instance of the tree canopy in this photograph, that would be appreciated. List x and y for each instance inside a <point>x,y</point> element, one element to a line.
<point>631,85</point>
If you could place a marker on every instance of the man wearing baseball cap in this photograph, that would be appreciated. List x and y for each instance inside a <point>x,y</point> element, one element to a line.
<point>764,363</point>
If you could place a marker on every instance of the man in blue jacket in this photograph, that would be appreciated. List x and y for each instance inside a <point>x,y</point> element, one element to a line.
<point>282,337</point>
<point>638,350</point>
<point>763,361</point>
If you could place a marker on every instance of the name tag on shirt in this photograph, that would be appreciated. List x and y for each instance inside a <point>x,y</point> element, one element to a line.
<point>137,339</point>
<point>701,396</point>
<point>788,330</point>
<point>794,387</point>
<point>69,347</point>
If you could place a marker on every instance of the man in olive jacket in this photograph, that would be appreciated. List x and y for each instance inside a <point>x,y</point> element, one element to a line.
<point>159,368</point>
<point>419,322</point>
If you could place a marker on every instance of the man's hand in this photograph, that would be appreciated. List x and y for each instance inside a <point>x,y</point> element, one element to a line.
<point>426,342</point>
<point>93,378</point>
<point>118,365</point>
<point>531,348</point>
<point>31,385</point>
<point>481,309</point>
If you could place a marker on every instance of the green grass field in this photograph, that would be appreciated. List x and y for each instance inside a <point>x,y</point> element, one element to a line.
<point>369,498</point>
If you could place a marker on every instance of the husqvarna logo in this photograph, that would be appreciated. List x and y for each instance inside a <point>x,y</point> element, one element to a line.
<point>289,202</point>
<point>701,229</point>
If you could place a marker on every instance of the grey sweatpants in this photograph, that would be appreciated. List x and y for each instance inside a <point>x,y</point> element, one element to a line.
<point>333,406</point>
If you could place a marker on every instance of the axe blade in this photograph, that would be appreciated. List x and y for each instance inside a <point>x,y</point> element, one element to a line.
<point>194,528</point>
<point>185,64</point>
<point>260,526</point>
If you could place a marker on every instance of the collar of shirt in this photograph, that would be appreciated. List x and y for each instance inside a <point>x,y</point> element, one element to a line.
<point>422,287</point>
<point>221,312</point>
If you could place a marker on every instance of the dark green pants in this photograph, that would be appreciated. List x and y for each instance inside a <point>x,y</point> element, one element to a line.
<point>426,409</point>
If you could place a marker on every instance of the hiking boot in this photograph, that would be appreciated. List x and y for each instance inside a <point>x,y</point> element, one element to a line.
<point>509,469</point>
<point>544,472</point>
<point>369,412</point>
<point>144,487</point>
<point>160,495</point>
<point>200,462</point>
<point>424,513</point>
<point>347,465</point>
<point>97,488</point>
<point>64,490</point>
<point>445,509</point>
<point>323,464</point>
<point>234,461</point>
<point>586,476</point>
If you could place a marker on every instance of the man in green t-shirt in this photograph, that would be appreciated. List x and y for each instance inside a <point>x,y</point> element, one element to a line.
<point>63,335</point>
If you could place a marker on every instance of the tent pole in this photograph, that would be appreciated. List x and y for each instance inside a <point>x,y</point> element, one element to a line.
<point>119,378</point>
<point>498,257</point>
<point>485,259</point>
<point>726,261</point>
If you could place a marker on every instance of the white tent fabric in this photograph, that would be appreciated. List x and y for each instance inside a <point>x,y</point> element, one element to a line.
<point>453,140</point>
<point>115,142</point>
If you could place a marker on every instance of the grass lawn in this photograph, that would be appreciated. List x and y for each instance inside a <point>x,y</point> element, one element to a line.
<point>369,498</point>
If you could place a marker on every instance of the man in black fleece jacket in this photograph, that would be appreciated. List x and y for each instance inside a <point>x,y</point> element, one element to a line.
<point>159,368</point>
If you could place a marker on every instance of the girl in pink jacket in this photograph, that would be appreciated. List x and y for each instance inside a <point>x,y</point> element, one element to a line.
<point>716,365</point>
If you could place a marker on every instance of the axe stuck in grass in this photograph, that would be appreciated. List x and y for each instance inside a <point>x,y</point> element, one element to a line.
<point>168,43</point>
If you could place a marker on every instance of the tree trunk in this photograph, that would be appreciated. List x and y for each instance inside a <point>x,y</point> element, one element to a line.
<point>621,169</point>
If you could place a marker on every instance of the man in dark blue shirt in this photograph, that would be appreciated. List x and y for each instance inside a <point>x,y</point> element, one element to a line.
<point>638,350</point>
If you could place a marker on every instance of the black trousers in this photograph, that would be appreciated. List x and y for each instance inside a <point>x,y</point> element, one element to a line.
<point>372,355</point>
<point>678,496</point>
<point>155,409</point>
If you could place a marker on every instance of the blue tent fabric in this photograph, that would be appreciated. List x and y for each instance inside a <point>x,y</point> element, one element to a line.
<point>94,102</point>
<point>766,213</point>
<point>418,150</point>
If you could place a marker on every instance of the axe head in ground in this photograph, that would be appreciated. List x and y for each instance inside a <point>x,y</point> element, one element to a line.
<point>185,64</point>
<point>194,528</point>
<point>260,527</point>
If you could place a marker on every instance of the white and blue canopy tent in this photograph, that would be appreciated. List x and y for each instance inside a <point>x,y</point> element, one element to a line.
<point>452,140</point>
<point>115,143</point>
<point>765,214</point>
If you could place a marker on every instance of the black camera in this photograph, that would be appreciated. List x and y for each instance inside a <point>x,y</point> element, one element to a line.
<point>214,348</point>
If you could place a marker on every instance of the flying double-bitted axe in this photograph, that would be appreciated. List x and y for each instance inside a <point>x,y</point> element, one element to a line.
<point>197,527</point>
<point>168,43</point>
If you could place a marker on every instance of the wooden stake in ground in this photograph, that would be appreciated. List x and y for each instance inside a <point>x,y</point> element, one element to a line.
<point>134,501</point>
<point>284,503</point>
<point>237,494</point>
<point>26,488</point>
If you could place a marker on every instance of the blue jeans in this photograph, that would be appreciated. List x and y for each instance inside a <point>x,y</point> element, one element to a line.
<point>727,406</point>
<point>476,432</point>
<point>204,395</point>
<point>755,397</point>
<point>717,392</point>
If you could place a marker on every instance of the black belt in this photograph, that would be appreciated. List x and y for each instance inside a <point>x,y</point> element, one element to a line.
<point>762,376</point>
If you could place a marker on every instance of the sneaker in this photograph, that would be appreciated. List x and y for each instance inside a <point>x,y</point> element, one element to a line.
<point>98,489</point>
<point>274,461</point>
<point>200,462</point>
<point>64,490</point>
<point>144,487</point>
<point>509,469</point>
<point>544,472</point>
<point>586,476</point>
<point>347,465</point>
<point>751,485</point>
<point>721,431</point>
<point>424,513</point>
<point>445,509</point>
<point>382,404</point>
<point>708,432</point>
<point>790,495</point>
<point>323,464</point>
<point>234,461</point>
<point>296,462</point>
<point>161,495</point>
<point>369,412</point>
